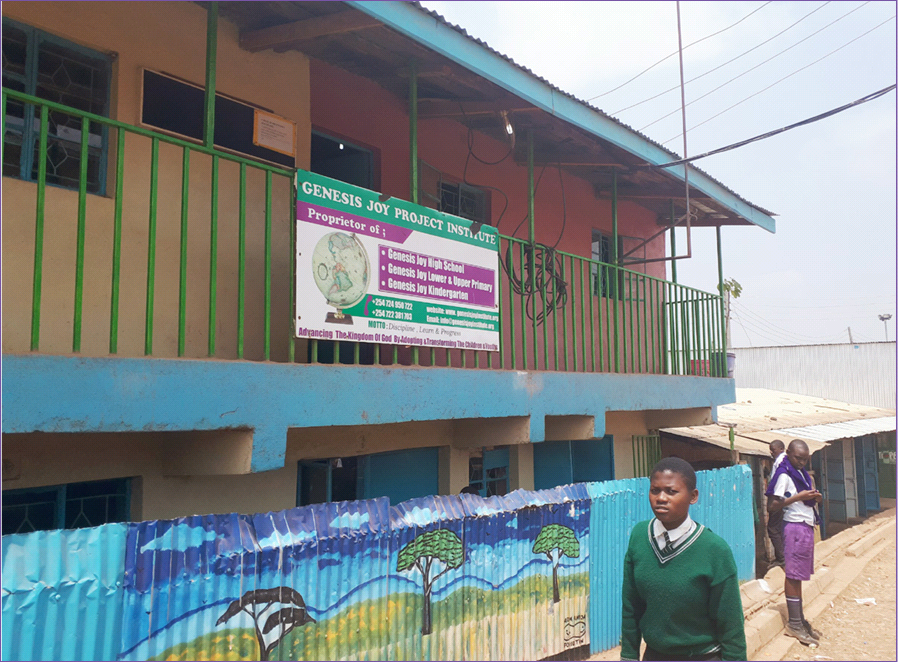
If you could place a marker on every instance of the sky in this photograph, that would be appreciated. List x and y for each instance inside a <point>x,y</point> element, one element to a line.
<point>830,269</point>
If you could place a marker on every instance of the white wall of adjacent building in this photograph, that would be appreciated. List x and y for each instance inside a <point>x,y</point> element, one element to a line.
<point>861,373</point>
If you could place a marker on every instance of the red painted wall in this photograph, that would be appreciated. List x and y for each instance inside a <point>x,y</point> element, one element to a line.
<point>356,109</point>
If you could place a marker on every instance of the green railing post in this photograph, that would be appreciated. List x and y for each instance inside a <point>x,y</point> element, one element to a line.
<point>182,282</point>
<point>544,304</point>
<point>39,231</point>
<point>151,247</point>
<point>117,244</point>
<point>82,222</point>
<point>414,153</point>
<point>532,243</point>
<point>242,252</point>
<point>209,114</point>
<point>213,254</point>
<point>581,266</point>
<point>725,340</point>
<point>614,258</point>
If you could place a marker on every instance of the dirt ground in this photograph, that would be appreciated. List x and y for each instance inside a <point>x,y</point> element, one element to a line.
<point>854,631</point>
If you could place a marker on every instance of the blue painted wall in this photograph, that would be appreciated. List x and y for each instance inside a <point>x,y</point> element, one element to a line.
<point>65,394</point>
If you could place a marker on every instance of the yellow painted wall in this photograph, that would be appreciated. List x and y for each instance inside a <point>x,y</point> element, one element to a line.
<point>168,37</point>
<point>623,424</point>
<point>193,473</point>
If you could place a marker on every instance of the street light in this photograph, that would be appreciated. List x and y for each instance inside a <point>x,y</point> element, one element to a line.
<point>885,318</point>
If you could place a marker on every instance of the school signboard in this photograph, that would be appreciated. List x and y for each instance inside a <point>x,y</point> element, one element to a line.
<point>389,271</point>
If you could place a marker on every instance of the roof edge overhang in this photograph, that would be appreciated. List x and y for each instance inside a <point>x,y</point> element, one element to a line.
<point>416,24</point>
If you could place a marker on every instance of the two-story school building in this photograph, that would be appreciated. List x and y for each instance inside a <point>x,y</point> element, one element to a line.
<point>267,254</point>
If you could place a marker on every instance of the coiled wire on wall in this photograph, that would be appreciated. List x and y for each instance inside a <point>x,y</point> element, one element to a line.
<point>540,273</point>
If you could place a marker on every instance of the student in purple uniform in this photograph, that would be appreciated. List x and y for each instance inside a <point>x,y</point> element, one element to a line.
<point>775,525</point>
<point>680,590</point>
<point>793,492</point>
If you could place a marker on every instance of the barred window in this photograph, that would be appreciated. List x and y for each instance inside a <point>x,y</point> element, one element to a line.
<point>45,66</point>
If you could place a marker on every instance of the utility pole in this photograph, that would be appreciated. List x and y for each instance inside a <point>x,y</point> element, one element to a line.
<point>849,333</point>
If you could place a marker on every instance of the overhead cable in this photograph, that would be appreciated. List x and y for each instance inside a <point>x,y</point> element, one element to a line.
<point>757,66</point>
<point>763,43</point>
<point>868,97</point>
<point>780,80</point>
<point>676,52</point>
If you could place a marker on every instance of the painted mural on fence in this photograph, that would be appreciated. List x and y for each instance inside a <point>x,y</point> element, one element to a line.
<point>454,577</point>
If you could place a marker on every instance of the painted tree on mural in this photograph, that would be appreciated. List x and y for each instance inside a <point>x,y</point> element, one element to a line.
<point>425,553</point>
<point>554,540</point>
<point>283,609</point>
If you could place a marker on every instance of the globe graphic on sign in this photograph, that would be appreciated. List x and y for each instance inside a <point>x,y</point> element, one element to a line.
<point>341,271</point>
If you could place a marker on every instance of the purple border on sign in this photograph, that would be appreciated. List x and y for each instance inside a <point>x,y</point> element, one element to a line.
<point>413,273</point>
<point>341,220</point>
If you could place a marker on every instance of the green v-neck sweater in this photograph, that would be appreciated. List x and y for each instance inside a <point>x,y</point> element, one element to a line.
<point>684,607</point>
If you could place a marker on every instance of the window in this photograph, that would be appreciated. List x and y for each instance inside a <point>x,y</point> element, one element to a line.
<point>459,199</point>
<point>71,506</point>
<point>341,160</point>
<point>463,200</point>
<point>565,462</point>
<point>321,481</point>
<point>398,475</point>
<point>601,250</point>
<point>489,472</point>
<point>51,68</point>
<point>177,106</point>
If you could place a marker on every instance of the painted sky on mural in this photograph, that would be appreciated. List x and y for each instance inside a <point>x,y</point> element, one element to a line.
<point>832,262</point>
<point>323,551</point>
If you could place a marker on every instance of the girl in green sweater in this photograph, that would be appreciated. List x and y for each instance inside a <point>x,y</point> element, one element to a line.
<point>680,592</point>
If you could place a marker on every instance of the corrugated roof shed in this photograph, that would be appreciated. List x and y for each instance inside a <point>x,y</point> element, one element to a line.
<point>761,416</point>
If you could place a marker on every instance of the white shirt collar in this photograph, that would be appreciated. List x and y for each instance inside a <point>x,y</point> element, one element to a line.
<point>675,535</point>
<point>778,460</point>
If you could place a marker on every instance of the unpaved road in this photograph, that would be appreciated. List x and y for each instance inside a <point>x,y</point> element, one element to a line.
<point>854,631</point>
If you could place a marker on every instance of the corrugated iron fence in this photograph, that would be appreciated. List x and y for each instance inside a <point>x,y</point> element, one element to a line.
<point>524,576</point>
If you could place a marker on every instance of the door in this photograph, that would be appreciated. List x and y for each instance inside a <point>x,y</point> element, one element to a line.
<point>867,475</point>
<point>834,477</point>
<point>581,461</point>
<point>887,465</point>
<point>849,457</point>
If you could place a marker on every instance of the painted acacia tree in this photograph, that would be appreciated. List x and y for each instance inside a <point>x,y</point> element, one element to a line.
<point>285,608</point>
<point>555,540</point>
<point>426,553</point>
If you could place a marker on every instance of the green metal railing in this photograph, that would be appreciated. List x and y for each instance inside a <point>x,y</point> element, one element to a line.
<point>646,451</point>
<point>187,189</point>
<point>558,311</point>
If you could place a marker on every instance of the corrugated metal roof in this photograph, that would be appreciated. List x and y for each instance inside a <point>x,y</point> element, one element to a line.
<point>487,47</point>
<point>849,429</point>
<point>761,416</point>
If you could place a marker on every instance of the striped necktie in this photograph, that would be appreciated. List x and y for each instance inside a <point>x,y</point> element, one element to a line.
<point>669,548</point>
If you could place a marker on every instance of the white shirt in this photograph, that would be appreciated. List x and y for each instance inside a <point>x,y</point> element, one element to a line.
<point>778,460</point>
<point>679,533</point>
<point>797,511</point>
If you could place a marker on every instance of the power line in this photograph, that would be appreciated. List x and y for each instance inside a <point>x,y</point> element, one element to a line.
<point>868,97</point>
<point>783,79</point>
<point>732,59</point>
<point>751,316</point>
<point>676,52</point>
<point>780,53</point>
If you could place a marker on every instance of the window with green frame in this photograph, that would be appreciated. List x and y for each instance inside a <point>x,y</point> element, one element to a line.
<point>489,472</point>
<point>70,506</point>
<point>46,66</point>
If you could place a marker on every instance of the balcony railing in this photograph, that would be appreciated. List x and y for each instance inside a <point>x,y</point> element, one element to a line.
<point>191,255</point>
